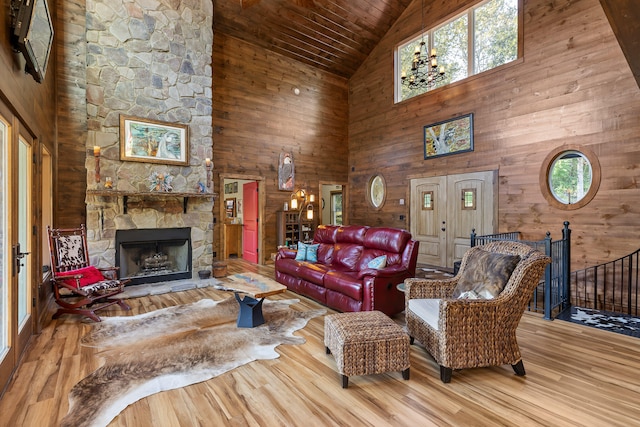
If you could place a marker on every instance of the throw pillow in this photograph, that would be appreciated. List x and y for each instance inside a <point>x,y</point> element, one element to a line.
<point>312,253</point>
<point>90,275</point>
<point>378,263</point>
<point>486,274</point>
<point>301,255</point>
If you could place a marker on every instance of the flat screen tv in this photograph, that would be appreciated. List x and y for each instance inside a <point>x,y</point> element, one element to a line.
<point>33,35</point>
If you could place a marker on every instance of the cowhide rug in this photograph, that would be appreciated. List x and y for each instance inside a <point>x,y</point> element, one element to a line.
<point>601,319</point>
<point>174,347</point>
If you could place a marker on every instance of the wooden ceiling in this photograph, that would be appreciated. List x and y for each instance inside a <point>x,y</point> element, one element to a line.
<point>624,17</point>
<point>333,35</point>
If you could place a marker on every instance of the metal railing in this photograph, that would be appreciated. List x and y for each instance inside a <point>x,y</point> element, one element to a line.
<point>612,286</point>
<point>552,294</point>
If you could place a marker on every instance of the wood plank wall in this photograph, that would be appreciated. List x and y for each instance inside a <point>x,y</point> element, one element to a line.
<point>32,102</point>
<point>573,86</point>
<point>34,105</point>
<point>256,116</point>
<point>71,179</point>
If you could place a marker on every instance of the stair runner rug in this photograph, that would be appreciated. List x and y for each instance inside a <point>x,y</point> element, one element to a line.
<point>605,320</point>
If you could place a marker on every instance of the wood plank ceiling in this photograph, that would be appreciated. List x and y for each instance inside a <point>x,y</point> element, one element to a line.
<point>333,35</point>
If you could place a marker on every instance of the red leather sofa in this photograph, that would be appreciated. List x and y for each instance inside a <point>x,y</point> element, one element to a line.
<point>341,279</point>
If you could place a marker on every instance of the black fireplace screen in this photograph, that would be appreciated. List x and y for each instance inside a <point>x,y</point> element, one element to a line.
<point>154,255</point>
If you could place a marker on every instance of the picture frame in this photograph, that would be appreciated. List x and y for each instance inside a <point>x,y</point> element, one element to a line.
<point>230,207</point>
<point>452,136</point>
<point>153,141</point>
<point>286,172</point>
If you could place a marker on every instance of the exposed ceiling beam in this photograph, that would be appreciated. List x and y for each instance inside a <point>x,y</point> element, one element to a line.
<point>624,18</point>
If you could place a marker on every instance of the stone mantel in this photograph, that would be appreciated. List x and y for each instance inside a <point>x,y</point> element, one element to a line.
<point>149,195</point>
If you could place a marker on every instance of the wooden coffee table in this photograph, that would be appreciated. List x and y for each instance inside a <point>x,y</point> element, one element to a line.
<point>255,289</point>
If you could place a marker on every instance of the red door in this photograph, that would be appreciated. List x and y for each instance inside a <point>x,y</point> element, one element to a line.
<point>250,218</point>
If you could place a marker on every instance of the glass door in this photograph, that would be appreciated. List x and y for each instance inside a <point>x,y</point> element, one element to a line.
<point>22,260</point>
<point>6,354</point>
<point>16,217</point>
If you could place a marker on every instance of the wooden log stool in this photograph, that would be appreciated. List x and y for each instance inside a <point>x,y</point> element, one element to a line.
<point>366,342</point>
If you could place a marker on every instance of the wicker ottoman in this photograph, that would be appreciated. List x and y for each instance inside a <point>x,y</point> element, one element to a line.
<point>365,343</point>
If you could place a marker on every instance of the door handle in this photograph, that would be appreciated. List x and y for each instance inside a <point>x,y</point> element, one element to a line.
<point>443,223</point>
<point>17,258</point>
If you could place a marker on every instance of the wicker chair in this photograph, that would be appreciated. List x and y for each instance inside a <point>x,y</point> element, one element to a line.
<point>480,332</point>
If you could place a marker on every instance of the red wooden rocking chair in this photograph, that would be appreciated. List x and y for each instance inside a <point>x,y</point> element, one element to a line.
<point>78,287</point>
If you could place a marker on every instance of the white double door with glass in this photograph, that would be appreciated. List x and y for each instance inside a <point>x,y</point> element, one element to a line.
<point>445,209</point>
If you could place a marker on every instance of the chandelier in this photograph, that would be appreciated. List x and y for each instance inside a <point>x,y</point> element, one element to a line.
<point>424,73</point>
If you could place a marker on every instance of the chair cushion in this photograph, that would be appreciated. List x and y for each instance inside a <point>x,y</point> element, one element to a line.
<point>426,309</point>
<point>90,275</point>
<point>485,274</point>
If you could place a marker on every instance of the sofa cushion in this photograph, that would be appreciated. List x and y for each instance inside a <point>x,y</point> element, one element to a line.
<point>301,254</point>
<point>346,256</point>
<point>312,253</point>
<point>288,266</point>
<point>426,309</point>
<point>378,263</point>
<point>351,234</point>
<point>325,234</point>
<point>313,273</point>
<point>345,282</point>
<point>486,274</point>
<point>325,253</point>
<point>307,252</point>
<point>386,239</point>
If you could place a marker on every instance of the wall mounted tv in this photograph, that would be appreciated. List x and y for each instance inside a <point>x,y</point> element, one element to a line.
<point>33,35</point>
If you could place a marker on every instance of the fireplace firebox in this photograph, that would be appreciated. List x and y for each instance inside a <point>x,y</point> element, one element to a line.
<point>154,254</point>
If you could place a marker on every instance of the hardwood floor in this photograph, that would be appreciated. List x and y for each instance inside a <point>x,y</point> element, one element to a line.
<point>575,376</point>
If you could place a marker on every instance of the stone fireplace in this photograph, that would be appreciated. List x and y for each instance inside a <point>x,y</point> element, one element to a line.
<point>152,255</point>
<point>150,61</point>
<point>163,223</point>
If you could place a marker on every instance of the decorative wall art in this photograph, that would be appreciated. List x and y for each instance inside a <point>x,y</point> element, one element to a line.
<point>153,141</point>
<point>231,187</point>
<point>286,172</point>
<point>230,207</point>
<point>449,137</point>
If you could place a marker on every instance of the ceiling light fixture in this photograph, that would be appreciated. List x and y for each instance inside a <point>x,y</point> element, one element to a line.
<point>424,72</point>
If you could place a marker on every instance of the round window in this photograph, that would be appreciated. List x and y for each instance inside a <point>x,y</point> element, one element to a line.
<point>571,177</point>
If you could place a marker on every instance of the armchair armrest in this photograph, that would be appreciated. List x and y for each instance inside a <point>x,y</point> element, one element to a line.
<point>428,288</point>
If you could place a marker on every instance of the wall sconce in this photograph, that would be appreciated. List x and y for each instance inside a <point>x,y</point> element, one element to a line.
<point>209,166</point>
<point>96,154</point>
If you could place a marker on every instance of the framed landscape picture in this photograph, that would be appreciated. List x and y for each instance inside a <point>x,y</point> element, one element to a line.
<point>153,141</point>
<point>449,137</point>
